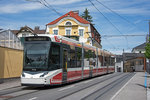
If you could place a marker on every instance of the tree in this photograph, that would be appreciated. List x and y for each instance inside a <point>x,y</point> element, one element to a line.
<point>147,50</point>
<point>86,15</point>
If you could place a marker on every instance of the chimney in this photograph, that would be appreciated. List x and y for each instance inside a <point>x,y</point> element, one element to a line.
<point>37,28</point>
<point>76,12</point>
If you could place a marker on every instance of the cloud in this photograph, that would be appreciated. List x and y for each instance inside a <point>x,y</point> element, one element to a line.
<point>62,2</point>
<point>139,7</point>
<point>16,8</point>
<point>28,6</point>
<point>133,10</point>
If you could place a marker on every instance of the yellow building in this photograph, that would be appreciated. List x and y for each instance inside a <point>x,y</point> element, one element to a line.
<point>73,26</point>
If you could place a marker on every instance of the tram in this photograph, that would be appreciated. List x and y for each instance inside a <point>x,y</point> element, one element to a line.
<point>54,60</point>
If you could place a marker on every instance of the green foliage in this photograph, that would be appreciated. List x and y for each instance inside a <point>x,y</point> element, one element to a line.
<point>147,50</point>
<point>86,15</point>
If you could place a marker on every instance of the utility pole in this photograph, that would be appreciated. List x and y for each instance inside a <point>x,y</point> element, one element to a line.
<point>123,57</point>
<point>149,31</point>
<point>149,42</point>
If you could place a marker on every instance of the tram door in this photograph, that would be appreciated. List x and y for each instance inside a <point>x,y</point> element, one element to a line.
<point>65,65</point>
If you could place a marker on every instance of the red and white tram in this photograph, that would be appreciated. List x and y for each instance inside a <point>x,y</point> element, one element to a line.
<point>54,59</point>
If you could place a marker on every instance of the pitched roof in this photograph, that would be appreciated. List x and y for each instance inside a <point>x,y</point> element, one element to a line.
<point>15,31</point>
<point>35,31</point>
<point>142,46</point>
<point>70,14</point>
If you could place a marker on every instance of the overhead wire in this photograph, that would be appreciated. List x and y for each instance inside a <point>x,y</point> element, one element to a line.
<point>46,4</point>
<point>131,23</point>
<point>52,8</point>
<point>109,42</point>
<point>117,14</point>
<point>108,20</point>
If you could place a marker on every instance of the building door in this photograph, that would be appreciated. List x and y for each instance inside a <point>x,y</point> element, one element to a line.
<point>65,65</point>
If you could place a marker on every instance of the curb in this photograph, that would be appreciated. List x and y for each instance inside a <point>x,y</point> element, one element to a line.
<point>5,80</point>
<point>1,80</point>
<point>148,93</point>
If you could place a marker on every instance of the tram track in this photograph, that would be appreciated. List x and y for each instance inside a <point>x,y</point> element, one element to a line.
<point>85,87</point>
<point>37,90</point>
<point>97,94</point>
<point>15,91</point>
<point>11,90</point>
<point>115,82</point>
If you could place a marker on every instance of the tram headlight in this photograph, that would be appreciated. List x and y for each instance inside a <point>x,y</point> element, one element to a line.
<point>45,73</point>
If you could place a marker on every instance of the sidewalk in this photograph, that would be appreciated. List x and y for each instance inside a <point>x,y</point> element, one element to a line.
<point>10,83</point>
<point>148,87</point>
<point>134,89</point>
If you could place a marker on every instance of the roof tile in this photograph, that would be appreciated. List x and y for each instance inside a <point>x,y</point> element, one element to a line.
<point>70,14</point>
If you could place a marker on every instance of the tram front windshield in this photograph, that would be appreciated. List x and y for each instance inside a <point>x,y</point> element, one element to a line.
<point>36,56</point>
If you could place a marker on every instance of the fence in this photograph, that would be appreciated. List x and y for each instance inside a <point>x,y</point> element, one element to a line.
<point>8,39</point>
<point>11,55</point>
<point>11,62</point>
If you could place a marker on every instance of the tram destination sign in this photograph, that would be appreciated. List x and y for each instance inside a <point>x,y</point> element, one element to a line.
<point>37,39</point>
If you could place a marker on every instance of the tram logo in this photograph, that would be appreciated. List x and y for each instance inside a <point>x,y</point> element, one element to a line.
<point>56,39</point>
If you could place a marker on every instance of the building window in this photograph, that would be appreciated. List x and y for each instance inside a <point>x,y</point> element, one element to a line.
<point>81,32</point>
<point>68,24</point>
<point>68,31</point>
<point>23,35</point>
<point>55,32</point>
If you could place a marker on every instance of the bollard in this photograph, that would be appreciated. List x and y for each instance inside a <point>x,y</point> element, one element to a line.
<point>145,80</point>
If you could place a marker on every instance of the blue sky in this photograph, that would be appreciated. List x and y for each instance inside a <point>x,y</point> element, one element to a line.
<point>17,13</point>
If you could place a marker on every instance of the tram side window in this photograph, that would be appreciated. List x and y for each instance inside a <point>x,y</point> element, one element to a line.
<point>105,60</point>
<point>100,57</point>
<point>79,56</point>
<point>90,55</point>
<point>86,58</point>
<point>107,63</point>
<point>112,61</point>
<point>54,57</point>
<point>90,58</point>
<point>72,57</point>
<point>94,58</point>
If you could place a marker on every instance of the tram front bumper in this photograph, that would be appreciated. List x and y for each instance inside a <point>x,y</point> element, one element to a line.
<point>33,81</point>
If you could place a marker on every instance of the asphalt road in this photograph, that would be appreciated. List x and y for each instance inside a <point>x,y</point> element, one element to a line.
<point>98,88</point>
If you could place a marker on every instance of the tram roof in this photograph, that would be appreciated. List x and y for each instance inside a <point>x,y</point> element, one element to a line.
<point>56,38</point>
<point>59,38</point>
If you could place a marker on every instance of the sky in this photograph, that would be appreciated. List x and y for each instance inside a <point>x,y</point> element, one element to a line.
<point>18,13</point>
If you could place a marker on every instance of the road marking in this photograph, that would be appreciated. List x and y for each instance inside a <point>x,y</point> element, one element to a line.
<point>33,98</point>
<point>88,81</point>
<point>121,89</point>
<point>100,77</point>
<point>66,88</point>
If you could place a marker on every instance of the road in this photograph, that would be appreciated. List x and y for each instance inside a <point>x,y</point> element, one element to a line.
<point>98,88</point>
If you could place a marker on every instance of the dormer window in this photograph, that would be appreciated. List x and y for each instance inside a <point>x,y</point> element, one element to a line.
<point>68,24</point>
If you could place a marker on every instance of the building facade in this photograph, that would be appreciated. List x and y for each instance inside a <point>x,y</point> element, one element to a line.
<point>139,48</point>
<point>27,31</point>
<point>135,61</point>
<point>119,63</point>
<point>73,26</point>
